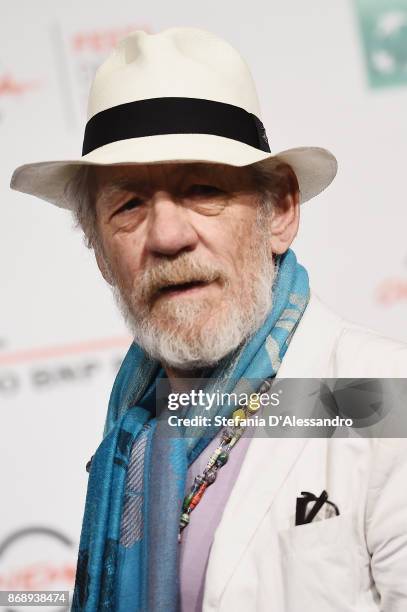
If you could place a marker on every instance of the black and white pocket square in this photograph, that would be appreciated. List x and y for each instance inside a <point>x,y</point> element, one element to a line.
<point>309,506</point>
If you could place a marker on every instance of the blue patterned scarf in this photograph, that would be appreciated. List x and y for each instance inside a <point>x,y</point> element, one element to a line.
<point>128,552</point>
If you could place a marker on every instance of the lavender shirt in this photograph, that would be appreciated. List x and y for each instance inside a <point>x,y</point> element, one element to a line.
<point>198,535</point>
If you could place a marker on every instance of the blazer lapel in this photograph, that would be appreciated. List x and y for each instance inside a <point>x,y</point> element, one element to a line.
<point>269,461</point>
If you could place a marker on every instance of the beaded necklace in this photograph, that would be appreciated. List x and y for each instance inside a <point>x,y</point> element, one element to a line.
<point>229,437</point>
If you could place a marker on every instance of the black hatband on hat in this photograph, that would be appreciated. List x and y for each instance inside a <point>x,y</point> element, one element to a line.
<point>157,116</point>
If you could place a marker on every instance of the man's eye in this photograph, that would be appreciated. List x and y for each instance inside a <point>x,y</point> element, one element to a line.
<point>133,203</point>
<point>203,190</point>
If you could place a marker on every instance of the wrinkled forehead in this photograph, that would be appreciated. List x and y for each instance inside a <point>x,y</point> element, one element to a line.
<point>172,175</point>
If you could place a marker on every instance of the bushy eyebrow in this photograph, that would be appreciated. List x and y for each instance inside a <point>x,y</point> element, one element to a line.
<point>133,185</point>
<point>115,186</point>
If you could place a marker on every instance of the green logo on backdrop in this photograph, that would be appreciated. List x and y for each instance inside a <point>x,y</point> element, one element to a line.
<point>383,25</point>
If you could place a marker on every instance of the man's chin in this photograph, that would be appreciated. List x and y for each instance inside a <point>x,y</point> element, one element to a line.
<point>184,311</point>
<point>187,341</point>
<point>187,326</point>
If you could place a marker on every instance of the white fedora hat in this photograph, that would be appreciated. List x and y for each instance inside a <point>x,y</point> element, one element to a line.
<point>183,95</point>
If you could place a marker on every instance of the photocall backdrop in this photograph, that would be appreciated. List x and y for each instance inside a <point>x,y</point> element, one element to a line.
<point>331,74</point>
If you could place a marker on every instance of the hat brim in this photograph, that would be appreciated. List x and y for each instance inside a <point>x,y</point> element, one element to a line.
<point>314,167</point>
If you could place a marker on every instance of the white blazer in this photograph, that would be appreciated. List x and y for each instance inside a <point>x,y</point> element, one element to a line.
<point>355,562</point>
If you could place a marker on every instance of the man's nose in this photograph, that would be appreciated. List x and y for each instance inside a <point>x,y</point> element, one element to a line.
<point>169,229</point>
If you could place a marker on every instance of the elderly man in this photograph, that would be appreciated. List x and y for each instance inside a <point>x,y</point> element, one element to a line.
<point>191,218</point>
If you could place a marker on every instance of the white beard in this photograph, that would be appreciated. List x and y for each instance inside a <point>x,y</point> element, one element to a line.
<point>194,336</point>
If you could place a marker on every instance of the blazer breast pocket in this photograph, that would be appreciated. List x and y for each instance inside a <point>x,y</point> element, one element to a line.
<point>321,565</point>
<point>320,533</point>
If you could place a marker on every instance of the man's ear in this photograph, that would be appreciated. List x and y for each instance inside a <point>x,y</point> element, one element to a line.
<point>102,265</point>
<point>284,221</point>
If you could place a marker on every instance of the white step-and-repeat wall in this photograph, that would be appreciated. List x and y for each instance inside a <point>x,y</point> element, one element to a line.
<point>331,74</point>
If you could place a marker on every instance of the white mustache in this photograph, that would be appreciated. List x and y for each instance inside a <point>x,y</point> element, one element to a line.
<point>178,272</point>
